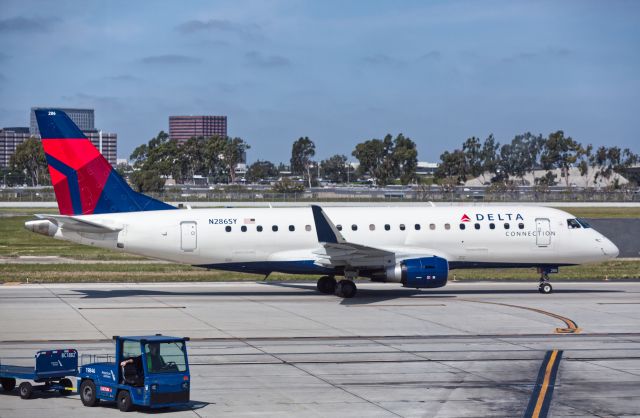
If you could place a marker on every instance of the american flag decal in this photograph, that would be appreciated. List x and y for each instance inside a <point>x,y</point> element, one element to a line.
<point>248,221</point>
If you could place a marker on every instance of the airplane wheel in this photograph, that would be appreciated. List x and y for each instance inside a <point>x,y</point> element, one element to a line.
<point>327,284</point>
<point>346,289</point>
<point>88,393</point>
<point>124,401</point>
<point>25,390</point>
<point>8,384</point>
<point>545,288</point>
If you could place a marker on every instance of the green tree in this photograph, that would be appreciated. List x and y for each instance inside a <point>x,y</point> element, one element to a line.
<point>489,156</point>
<point>387,159</point>
<point>145,181</point>
<point>453,167</point>
<point>335,168</point>
<point>29,158</point>
<point>371,155</point>
<point>472,149</point>
<point>261,170</point>
<point>561,152</point>
<point>405,159</point>
<point>233,153</point>
<point>301,152</point>
<point>520,156</point>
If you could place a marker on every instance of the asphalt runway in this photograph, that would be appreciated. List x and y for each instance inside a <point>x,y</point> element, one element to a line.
<point>258,349</point>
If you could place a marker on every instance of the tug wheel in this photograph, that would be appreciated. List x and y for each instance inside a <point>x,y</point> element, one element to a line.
<point>88,393</point>
<point>25,390</point>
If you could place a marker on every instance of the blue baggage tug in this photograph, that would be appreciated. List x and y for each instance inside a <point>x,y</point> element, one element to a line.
<point>52,369</point>
<point>150,371</point>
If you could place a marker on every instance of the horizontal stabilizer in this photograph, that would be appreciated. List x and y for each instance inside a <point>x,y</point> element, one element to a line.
<point>72,223</point>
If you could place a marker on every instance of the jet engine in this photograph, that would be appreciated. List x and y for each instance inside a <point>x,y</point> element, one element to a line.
<point>43,227</point>
<point>425,272</point>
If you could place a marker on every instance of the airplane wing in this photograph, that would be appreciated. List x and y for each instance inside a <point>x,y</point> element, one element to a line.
<point>73,223</point>
<point>335,251</point>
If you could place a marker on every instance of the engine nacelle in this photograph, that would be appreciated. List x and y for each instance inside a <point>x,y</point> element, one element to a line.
<point>426,272</point>
<point>42,226</point>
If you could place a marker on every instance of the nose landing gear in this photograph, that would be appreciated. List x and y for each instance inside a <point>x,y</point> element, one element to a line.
<point>545,285</point>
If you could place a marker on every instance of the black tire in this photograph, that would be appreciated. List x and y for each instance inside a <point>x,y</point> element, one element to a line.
<point>124,401</point>
<point>545,288</point>
<point>25,389</point>
<point>8,383</point>
<point>326,284</point>
<point>346,289</point>
<point>88,394</point>
<point>67,384</point>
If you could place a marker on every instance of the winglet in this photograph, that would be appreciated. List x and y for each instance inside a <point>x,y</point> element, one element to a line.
<point>327,231</point>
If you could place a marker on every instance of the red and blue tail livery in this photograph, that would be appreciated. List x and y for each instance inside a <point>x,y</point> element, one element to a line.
<point>83,180</point>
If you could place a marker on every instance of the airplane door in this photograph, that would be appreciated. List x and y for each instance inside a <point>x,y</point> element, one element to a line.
<point>188,236</point>
<point>543,232</point>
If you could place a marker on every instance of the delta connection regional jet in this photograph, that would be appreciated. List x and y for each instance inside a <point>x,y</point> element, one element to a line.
<point>413,246</point>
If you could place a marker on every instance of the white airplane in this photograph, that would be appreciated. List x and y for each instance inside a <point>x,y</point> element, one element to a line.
<point>413,246</point>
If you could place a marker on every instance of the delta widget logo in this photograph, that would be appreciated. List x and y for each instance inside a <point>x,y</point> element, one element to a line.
<point>465,218</point>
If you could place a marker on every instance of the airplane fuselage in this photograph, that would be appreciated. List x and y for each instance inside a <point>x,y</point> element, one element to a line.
<point>265,240</point>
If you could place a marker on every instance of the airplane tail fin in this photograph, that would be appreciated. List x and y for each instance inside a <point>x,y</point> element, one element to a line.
<point>83,180</point>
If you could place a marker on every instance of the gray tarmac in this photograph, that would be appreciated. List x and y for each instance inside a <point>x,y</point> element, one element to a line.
<point>258,349</point>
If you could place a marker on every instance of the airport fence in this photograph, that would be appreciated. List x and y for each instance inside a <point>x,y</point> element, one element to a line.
<point>46,194</point>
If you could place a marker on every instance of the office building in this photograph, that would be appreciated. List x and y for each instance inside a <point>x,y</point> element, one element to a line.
<point>84,118</point>
<point>10,138</point>
<point>182,128</point>
<point>106,143</point>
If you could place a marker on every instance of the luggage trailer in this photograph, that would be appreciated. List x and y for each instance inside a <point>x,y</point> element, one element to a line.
<point>52,368</point>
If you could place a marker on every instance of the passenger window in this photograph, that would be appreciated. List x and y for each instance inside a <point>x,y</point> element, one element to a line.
<point>387,227</point>
<point>227,228</point>
<point>259,228</point>
<point>521,225</point>
<point>243,228</point>
<point>274,228</point>
<point>447,226</point>
<point>492,226</point>
<point>354,227</point>
<point>292,228</point>
<point>339,227</point>
<point>476,226</point>
<point>432,227</point>
<point>506,226</point>
<point>372,227</point>
<point>573,224</point>
<point>402,227</point>
<point>462,226</point>
<point>417,226</point>
<point>307,228</point>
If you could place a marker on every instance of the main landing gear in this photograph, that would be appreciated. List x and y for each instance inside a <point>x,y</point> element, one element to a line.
<point>545,286</point>
<point>345,288</point>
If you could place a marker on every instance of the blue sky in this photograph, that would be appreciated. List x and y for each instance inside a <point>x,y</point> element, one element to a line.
<point>339,72</point>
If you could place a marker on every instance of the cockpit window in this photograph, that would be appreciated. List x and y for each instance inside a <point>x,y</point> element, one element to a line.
<point>573,224</point>
<point>584,223</point>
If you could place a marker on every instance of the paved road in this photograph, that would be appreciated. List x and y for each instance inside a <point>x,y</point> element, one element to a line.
<point>470,349</point>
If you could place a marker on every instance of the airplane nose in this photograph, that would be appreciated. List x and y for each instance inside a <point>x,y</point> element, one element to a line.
<point>609,248</point>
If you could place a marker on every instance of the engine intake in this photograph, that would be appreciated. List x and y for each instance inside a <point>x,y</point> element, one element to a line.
<point>426,272</point>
